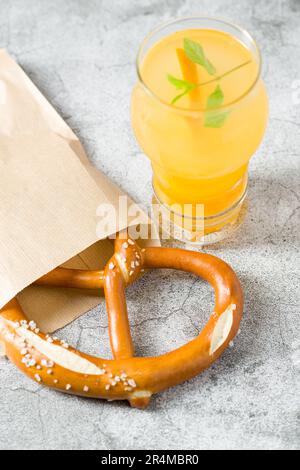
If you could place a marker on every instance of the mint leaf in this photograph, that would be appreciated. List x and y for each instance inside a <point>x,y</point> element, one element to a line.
<point>194,51</point>
<point>184,85</point>
<point>216,98</point>
<point>180,84</point>
<point>215,119</point>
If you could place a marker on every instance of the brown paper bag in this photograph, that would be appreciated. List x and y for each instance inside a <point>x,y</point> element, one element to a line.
<point>49,195</point>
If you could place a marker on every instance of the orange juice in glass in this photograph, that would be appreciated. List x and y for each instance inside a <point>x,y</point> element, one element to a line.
<point>199,112</point>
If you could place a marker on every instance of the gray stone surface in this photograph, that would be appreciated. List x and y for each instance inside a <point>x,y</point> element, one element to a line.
<point>81,55</point>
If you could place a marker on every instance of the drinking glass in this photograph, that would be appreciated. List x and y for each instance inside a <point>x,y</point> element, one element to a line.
<point>197,165</point>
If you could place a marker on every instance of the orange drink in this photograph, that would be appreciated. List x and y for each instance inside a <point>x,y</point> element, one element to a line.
<point>199,112</point>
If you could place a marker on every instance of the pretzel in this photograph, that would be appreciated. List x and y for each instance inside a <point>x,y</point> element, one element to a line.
<point>55,364</point>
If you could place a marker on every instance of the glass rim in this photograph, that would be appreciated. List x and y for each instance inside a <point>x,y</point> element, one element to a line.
<point>187,18</point>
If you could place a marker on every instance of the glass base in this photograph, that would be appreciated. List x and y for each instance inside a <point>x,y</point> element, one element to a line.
<point>197,231</point>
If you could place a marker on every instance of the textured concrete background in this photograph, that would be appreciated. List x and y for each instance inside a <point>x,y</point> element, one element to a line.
<point>81,54</point>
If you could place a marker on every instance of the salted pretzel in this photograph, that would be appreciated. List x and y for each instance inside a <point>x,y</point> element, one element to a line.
<point>55,364</point>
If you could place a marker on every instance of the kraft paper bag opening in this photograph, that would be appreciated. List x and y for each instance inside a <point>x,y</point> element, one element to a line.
<point>49,196</point>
